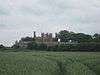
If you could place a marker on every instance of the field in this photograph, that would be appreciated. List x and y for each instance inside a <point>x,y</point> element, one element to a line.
<point>49,63</point>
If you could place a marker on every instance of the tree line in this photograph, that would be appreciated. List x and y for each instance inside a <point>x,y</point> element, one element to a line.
<point>77,42</point>
<point>65,36</point>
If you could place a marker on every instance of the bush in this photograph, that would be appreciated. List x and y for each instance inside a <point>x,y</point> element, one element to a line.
<point>76,47</point>
<point>65,47</point>
<point>36,46</point>
<point>32,45</point>
<point>1,46</point>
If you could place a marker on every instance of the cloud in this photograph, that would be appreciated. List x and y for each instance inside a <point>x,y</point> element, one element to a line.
<point>3,11</point>
<point>20,18</point>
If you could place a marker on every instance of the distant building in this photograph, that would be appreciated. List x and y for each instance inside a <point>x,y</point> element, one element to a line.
<point>45,38</point>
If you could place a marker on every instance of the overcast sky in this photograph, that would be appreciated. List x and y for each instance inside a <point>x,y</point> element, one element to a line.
<point>19,18</point>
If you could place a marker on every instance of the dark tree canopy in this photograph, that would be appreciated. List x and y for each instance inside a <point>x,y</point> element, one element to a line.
<point>96,37</point>
<point>1,46</point>
<point>65,36</point>
<point>27,39</point>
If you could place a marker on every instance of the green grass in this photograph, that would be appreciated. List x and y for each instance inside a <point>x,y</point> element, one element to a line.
<point>49,63</point>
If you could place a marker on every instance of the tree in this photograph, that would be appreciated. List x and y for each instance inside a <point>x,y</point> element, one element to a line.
<point>35,46</point>
<point>1,46</point>
<point>96,37</point>
<point>27,39</point>
<point>64,35</point>
<point>81,37</point>
<point>32,45</point>
<point>16,45</point>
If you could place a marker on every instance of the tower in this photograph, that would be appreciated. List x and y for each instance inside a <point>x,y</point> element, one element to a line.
<point>42,35</point>
<point>56,35</point>
<point>34,34</point>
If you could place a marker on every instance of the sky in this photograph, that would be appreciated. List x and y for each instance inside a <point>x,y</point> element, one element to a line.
<point>19,18</point>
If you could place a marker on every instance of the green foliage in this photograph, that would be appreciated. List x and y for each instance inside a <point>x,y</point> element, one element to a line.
<point>76,47</point>
<point>81,37</point>
<point>1,46</point>
<point>96,37</point>
<point>65,47</point>
<point>36,46</point>
<point>65,36</point>
<point>32,45</point>
<point>28,39</point>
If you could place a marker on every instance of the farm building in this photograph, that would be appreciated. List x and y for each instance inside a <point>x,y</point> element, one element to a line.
<point>45,38</point>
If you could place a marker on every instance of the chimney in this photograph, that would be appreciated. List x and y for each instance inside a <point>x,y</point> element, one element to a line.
<point>42,35</point>
<point>50,35</point>
<point>56,35</point>
<point>34,34</point>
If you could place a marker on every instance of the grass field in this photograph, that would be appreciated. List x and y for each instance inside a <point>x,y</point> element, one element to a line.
<point>49,63</point>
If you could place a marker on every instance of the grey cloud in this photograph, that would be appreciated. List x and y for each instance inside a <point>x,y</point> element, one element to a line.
<point>3,11</point>
<point>2,25</point>
<point>51,15</point>
<point>31,11</point>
